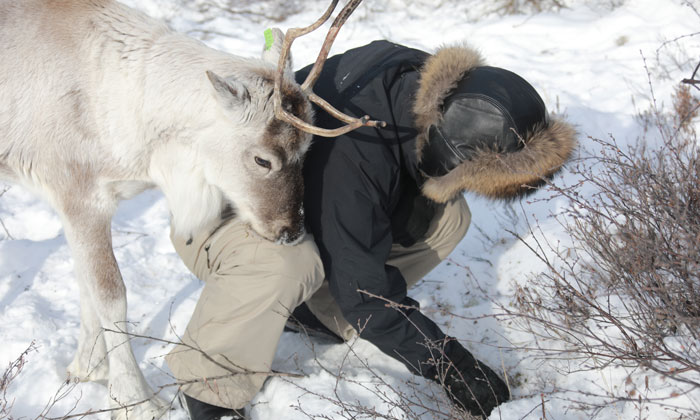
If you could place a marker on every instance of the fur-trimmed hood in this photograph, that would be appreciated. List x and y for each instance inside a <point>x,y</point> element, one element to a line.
<point>490,173</point>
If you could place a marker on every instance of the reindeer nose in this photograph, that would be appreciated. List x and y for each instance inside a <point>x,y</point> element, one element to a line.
<point>288,236</point>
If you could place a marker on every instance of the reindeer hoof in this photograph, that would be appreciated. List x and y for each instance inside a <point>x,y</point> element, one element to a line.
<point>80,372</point>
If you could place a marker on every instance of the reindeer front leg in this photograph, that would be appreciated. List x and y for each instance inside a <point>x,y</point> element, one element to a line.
<point>90,362</point>
<point>89,235</point>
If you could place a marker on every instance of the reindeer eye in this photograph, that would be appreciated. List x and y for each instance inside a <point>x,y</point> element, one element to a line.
<point>262,162</point>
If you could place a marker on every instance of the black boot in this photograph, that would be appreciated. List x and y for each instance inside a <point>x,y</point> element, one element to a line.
<point>470,384</point>
<point>200,410</point>
<point>303,321</point>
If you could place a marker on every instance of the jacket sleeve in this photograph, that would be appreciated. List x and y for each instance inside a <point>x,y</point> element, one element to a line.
<point>356,244</point>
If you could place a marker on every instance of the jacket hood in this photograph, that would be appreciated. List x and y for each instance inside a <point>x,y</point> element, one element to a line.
<point>490,173</point>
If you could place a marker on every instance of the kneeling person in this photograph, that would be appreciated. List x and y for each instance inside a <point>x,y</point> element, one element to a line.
<point>385,205</point>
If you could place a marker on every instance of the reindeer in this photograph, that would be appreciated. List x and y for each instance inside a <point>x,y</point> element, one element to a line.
<point>99,102</point>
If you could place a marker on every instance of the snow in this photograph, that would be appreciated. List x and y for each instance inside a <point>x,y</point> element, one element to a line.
<point>587,61</point>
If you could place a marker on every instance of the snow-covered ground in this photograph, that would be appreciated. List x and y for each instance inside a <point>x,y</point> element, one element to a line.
<point>588,64</point>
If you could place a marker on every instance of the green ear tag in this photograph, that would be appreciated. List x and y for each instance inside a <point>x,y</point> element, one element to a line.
<point>269,39</point>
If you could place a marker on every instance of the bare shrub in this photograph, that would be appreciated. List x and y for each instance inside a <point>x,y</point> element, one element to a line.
<point>510,7</point>
<point>257,11</point>
<point>11,372</point>
<point>686,106</point>
<point>627,292</point>
<point>528,7</point>
<point>472,10</point>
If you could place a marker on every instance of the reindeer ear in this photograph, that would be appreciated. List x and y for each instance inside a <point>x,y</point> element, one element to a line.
<point>230,92</point>
<point>273,48</point>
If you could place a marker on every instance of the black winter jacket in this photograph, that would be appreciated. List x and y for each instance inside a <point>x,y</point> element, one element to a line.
<point>362,195</point>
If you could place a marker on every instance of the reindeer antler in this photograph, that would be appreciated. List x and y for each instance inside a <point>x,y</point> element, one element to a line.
<point>307,87</point>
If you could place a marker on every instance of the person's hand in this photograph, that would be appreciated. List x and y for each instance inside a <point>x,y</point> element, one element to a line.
<point>471,385</point>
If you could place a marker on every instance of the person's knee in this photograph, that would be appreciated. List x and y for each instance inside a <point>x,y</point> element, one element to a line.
<point>300,271</point>
<point>460,218</point>
<point>453,224</point>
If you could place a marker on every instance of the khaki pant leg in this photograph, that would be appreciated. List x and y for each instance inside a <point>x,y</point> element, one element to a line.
<point>250,287</point>
<point>446,230</point>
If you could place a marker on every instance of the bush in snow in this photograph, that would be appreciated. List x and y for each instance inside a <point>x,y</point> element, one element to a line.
<point>11,372</point>
<point>627,292</point>
<point>471,10</point>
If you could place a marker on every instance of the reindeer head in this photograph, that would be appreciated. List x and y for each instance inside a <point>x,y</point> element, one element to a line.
<point>263,182</point>
<point>265,129</point>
